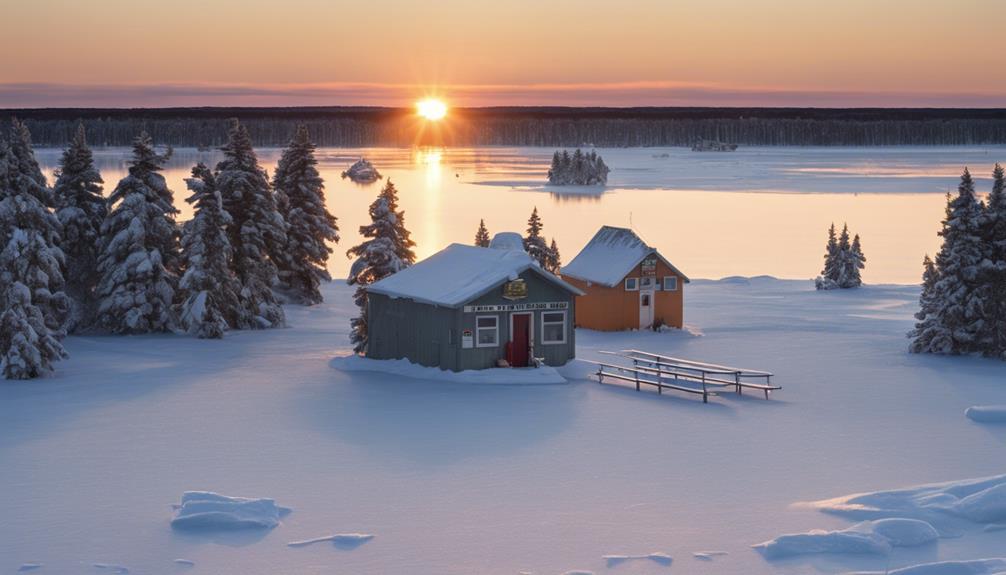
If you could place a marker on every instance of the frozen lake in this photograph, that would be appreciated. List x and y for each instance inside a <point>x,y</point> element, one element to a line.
<point>751,212</point>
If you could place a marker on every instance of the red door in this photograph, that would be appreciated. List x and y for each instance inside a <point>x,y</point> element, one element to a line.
<point>521,339</point>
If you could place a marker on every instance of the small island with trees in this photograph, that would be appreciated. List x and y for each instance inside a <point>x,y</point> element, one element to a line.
<point>577,169</point>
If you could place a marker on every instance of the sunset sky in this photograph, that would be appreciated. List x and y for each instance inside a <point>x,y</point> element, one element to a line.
<point>509,52</point>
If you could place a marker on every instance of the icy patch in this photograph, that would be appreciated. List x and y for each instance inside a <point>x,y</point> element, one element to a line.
<point>207,510</point>
<point>977,500</point>
<point>708,555</point>
<point>119,569</point>
<point>493,376</point>
<point>344,540</point>
<point>975,567</point>
<point>987,413</point>
<point>877,537</point>
<point>661,558</point>
<point>28,567</point>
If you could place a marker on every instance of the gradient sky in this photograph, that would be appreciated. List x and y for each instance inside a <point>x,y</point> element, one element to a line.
<point>524,52</point>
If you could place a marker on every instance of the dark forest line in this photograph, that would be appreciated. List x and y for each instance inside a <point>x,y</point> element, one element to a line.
<point>545,126</point>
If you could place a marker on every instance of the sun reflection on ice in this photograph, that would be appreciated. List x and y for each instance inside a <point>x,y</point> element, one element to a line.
<point>431,161</point>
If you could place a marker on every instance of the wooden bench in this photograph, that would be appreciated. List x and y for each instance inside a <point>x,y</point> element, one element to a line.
<point>640,376</point>
<point>707,371</point>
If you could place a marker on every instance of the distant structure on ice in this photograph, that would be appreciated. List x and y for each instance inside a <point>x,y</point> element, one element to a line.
<point>577,169</point>
<point>362,172</point>
<point>626,283</point>
<point>468,307</point>
<point>713,146</point>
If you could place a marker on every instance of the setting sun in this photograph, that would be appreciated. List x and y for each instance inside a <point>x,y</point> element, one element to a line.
<point>431,109</point>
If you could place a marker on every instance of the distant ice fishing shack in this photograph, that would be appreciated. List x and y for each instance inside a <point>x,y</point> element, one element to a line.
<point>468,307</point>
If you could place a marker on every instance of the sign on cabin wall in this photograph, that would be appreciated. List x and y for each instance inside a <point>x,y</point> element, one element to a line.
<point>550,305</point>
<point>649,266</point>
<point>514,290</point>
<point>467,341</point>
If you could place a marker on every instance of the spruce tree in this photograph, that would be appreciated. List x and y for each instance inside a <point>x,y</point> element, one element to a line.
<point>553,260</point>
<point>928,333</point>
<point>258,231</point>
<point>309,225</point>
<point>31,281</point>
<point>994,272</point>
<point>139,249</point>
<point>482,239</point>
<point>855,263</point>
<point>387,250</point>
<point>534,242</point>
<point>209,290</point>
<point>829,275</point>
<point>81,209</point>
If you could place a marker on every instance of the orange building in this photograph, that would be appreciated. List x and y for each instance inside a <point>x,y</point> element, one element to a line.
<point>627,284</point>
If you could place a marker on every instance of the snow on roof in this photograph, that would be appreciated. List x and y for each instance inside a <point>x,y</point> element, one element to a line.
<point>610,255</point>
<point>459,273</point>
<point>507,241</point>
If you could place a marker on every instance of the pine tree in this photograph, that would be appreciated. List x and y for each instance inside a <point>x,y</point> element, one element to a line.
<point>534,242</point>
<point>994,267</point>
<point>310,226</point>
<point>209,290</point>
<point>958,312</point>
<point>139,249</point>
<point>81,209</point>
<point>31,281</point>
<point>482,239</point>
<point>928,333</point>
<point>856,261</point>
<point>554,260</point>
<point>555,170</point>
<point>387,250</point>
<point>258,232</point>
<point>829,275</point>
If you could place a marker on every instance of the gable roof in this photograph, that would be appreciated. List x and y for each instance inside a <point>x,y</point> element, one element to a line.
<point>610,255</point>
<point>459,273</point>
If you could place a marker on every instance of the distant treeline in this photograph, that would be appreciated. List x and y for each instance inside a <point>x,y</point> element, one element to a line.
<point>552,127</point>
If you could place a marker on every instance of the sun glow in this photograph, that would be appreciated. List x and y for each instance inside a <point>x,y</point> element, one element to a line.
<point>431,109</point>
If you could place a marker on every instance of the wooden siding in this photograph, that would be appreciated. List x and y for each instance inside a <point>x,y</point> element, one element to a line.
<point>615,309</point>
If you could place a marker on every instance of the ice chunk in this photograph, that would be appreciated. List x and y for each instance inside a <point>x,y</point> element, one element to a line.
<point>877,537</point>
<point>207,510</point>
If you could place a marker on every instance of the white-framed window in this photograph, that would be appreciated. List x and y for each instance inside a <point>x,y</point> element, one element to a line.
<point>553,327</point>
<point>487,333</point>
<point>631,284</point>
<point>671,283</point>
<point>647,283</point>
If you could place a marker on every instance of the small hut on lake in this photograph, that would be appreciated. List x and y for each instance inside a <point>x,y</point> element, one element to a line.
<point>626,283</point>
<point>468,307</point>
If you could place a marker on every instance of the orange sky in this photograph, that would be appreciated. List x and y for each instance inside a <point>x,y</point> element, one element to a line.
<point>584,52</point>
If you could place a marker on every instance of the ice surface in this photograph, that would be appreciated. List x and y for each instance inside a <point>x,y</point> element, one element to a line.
<point>208,510</point>
<point>866,537</point>
<point>542,375</point>
<point>987,413</point>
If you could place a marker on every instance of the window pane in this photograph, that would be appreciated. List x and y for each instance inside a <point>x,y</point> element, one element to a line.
<point>554,332</point>
<point>487,322</point>
<point>487,336</point>
<point>551,317</point>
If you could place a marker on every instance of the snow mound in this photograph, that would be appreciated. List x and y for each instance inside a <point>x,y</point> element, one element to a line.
<point>207,510</point>
<point>995,566</point>
<point>362,171</point>
<point>977,500</point>
<point>494,376</point>
<point>987,413</point>
<point>511,241</point>
<point>348,540</point>
<point>661,558</point>
<point>877,537</point>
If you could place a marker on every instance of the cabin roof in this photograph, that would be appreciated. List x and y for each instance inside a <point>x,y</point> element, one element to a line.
<point>507,241</point>
<point>459,274</point>
<point>610,255</point>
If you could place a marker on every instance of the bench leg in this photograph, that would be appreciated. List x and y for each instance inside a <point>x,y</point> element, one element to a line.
<point>766,394</point>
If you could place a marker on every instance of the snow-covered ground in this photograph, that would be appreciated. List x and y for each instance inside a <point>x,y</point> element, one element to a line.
<point>456,478</point>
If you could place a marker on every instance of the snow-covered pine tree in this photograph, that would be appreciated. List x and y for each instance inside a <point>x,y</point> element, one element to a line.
<point>554,260</point>
<point>994,267</point>
<point>387,250</point>
<point>534,242</point>
<point>556,169</point>
<point>209,290</point>
<point>136,279</point>
<point>22,163</point>
<point>258,232</point>
<point>309,225</point>
<point>929,333</point>
<point>959,308</point>
<point>81,209</point>
<point>855,262</point>
<point>829,275</point>
<point>31,263</point>
<point>482,239</point>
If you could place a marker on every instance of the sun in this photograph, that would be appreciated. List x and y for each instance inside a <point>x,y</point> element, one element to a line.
<point>431,109</point>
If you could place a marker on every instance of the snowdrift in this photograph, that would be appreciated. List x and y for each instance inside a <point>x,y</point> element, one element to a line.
<point>976,567</point>
<point>207,510</point>
<point>543,375</point>
<point>987,413</point>
<point>878,537</point>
